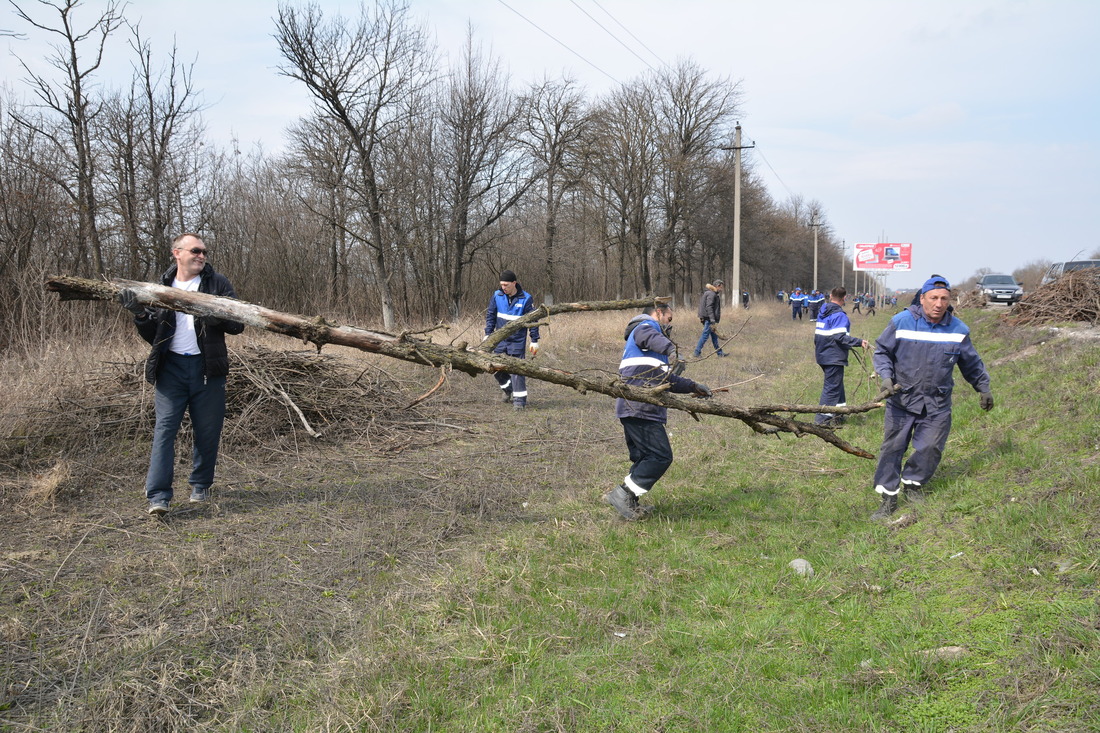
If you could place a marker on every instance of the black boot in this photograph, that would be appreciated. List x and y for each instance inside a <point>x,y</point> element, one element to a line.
<point>888,506</point>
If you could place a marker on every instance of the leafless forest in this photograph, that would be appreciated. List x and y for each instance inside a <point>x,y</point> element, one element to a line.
<point>399,198</point>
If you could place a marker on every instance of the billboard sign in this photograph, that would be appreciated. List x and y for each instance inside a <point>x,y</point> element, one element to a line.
<point>883,256</point>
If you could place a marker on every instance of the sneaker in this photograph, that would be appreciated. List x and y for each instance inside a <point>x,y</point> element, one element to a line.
<point>198,496</point>
<point>624,501</point>
<point>889,506</point>
<point>158,508</point>
<point>722,353</point>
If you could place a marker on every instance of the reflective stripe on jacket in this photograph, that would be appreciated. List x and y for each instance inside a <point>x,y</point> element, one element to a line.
<point>921,357</point>
<point>503,309</point>
<point>831,338</point>
<point>645,364</point>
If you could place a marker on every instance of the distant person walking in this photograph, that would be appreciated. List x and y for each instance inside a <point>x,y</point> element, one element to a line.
<point>645,364</point>
<point>710,313</point>
<point>745,299</point>
<point>188,365</point>
<point>506,305</point>
<point>832,342</point>
<point>814,301</point>
<point>916,357</point>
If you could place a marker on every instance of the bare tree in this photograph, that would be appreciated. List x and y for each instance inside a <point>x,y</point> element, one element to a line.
<point>74,103</point>
<point>557,122</point>
<point>694,114</point>
<point>482,164</point>
<point>360,75</point>
<point>625,158</point>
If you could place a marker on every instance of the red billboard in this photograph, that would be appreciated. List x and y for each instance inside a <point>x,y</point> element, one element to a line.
<point>883,256</point>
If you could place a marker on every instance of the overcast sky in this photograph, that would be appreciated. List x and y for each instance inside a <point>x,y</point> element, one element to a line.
<point>970,128</point>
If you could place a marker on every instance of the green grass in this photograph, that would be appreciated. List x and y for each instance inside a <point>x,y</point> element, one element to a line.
<point>553,615</point>
<point>693,621</point>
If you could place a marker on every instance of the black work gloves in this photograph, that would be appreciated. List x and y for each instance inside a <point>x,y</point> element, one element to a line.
<point>985,399</point>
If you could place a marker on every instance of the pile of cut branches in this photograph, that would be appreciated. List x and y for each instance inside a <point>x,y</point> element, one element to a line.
<point>270,395</point>
<point>1073,297</point>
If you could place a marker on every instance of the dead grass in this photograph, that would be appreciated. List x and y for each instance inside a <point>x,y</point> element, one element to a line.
<point>220,615</point>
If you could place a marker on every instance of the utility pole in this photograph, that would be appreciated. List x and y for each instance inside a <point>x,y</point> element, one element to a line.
<point>735,281</point>
<point>815,225</point>
<point>843,263</point>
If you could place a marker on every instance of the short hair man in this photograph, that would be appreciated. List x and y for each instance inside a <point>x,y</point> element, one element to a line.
<point>645,364</point>
<point>710,313</point>
<point>506,305</point>
<point>916,357</point>
<point>832,342</point>
<point>188,365</point>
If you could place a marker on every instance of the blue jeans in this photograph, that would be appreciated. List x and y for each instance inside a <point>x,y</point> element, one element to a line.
<point>708,332</point>
<point>181,386</point>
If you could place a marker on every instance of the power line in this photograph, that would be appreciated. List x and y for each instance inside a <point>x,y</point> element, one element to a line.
<point>567,48</point>
<point>605,30</point>
<point>758,152</point>
<point>647,48</point>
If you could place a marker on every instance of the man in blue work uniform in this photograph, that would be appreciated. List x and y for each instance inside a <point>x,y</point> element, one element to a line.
<point>797,301</point>
<point>814,301</point>
<point>832,342</point>
<point>506,305</point>
<point>645,364</point>
<point>915,357</point>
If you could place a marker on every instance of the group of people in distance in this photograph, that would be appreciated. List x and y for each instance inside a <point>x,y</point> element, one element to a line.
<point>915,358</point>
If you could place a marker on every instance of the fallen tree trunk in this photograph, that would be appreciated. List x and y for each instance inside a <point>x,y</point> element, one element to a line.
<point>420,350</point>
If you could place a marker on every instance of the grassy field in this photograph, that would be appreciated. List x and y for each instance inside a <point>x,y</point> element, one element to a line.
<point>472,580</point>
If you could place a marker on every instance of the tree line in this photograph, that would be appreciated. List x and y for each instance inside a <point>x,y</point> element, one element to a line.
<point>401,195</point>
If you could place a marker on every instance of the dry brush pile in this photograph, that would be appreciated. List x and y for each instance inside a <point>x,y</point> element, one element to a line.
<point>1072,297</point>
<point>274,398</point>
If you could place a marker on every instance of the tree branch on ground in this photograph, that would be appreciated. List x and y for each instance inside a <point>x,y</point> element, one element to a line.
<point>319,332</point>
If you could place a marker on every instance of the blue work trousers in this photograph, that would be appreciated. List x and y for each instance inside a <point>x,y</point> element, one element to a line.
<point>513,385</point>
<point>708,333</point>
<point>832,392</point>
<point>796,311</point>
<point>650,453</point>
<point>181,387</point>
<point>926,433</point>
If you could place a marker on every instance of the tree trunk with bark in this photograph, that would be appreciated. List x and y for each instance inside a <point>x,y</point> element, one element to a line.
<point>417,348</point>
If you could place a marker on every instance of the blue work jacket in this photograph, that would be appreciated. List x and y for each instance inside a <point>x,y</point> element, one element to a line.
<point>921,356</point>
<point>832,341</point>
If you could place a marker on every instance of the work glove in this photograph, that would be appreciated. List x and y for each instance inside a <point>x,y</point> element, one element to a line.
<point>703,391</point>
<point>533,348</point>
<point>128,300</point>
<point>887,384</point>
<point>985,399</point>
<point>678,367</point>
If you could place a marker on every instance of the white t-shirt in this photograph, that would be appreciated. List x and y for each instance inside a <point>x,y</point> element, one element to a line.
<point>184,340</point>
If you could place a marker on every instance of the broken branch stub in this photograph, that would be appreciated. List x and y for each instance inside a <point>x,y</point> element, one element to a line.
<point>471,361</point>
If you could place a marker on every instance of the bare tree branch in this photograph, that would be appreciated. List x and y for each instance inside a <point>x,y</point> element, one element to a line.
<point>472,362</point>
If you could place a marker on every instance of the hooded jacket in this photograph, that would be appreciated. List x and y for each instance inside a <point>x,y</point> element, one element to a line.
<point>645,364</point>
<point>921,356</point>
<point>710,305</point>
<point>831,338</point>
<point>158,327</point>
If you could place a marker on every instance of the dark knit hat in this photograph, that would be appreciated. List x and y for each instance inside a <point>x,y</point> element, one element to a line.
<point>507,276</point>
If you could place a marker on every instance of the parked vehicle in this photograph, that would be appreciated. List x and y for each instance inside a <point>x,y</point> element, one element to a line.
<point>1000,289</point>
<point>1061,268</point>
